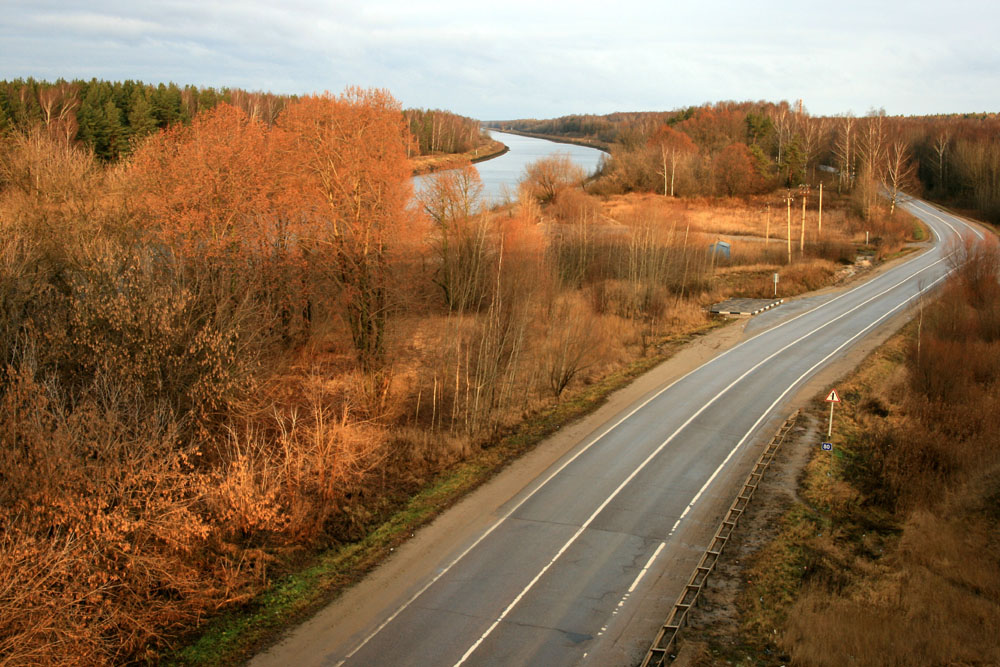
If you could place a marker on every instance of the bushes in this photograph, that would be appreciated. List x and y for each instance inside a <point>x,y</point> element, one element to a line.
<point>925,459</point>
<point>547,177</point>
<point>206,369</point>
<point>104,498</point>
<point>148,480</point>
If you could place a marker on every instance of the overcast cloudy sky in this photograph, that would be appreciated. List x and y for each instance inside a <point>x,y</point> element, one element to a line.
<point>537,58</point>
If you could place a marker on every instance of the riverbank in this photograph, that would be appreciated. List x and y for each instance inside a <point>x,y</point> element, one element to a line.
<point>428,164</point>
<point>559,139</point>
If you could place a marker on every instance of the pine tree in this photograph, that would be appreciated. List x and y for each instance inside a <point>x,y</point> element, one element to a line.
<point>116,142</point>
<point>4,118</point>
<point>163,111</point>
<point>207,99</point>
<point>93,131</point>
<point>141,121</point>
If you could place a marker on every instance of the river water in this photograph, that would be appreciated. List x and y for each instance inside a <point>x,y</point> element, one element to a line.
<point>500,175</point>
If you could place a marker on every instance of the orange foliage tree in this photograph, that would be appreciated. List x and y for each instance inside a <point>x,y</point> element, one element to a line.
<point>354,186</point>
<point>735,171</point>
<point>714,129</point>
<point>214,193</point>
<point>209,186</point>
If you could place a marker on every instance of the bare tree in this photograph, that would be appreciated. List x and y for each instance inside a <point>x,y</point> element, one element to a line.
<point>453,200</point>
<point>872,152</point>
<point>942,141</point>
<point>845,151</point>
<point>898,171</point>
<point>782,122</point>
<point>569,348</point>
<point>814,133</point>
<point>547,176</point>
<point>673,146</point>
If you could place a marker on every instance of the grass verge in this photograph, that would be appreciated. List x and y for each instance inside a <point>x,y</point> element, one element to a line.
<point>835,528</point>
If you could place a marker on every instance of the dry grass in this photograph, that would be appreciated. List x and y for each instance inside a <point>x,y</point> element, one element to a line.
<point>892,558</point>
<point>758,248</point>
<point>176,430</point>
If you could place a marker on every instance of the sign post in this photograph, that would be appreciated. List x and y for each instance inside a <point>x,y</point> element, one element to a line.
<point>832,399</point>
<point>775,284</point>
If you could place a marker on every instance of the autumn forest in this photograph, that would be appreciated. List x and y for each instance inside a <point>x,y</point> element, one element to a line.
<point>233,337</point>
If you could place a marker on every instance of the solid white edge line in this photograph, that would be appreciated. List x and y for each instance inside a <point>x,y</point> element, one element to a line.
<point>517,506</point>
<point>765,414</point>
<point>933,211</point>
<point>662,445</point>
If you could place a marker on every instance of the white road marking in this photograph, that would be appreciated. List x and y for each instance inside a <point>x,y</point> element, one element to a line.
<point>562,467</point>
<point>583,527</point>
<point>584,449</point>
<point>932,211</point>
<point>646,567</point>
<point>765,414</point>
<point>694,500</point>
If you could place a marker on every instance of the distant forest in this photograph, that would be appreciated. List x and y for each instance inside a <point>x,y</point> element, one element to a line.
<point>731,148</point>
<point>107,116</point>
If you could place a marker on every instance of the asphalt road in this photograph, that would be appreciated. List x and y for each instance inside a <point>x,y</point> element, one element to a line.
<point>582,564</point>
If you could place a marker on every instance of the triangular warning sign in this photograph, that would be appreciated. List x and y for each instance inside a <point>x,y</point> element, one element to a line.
<point>833,397</point>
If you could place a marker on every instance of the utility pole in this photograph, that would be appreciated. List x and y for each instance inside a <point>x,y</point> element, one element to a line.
<point>819,223</point>
<point>767,226</point>
<point>802,235</point>
<point>788,230</point>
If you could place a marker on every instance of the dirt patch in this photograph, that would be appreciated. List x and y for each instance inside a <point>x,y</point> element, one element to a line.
<point>714,630</point>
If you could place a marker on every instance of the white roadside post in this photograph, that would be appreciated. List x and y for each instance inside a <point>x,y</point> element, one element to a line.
<point>832,399</point>
<point>775,284</point>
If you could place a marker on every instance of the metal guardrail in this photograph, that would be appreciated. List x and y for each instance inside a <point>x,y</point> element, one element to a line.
<point>659,652</point>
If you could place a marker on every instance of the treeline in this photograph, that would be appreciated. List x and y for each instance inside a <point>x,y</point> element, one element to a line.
<point>728,148</point>
<point>436,131</point>
<point>958,159</point>
<point>600,129</point>
<point>725,149</point>
<point>108,117</point>
<point>732,148</point>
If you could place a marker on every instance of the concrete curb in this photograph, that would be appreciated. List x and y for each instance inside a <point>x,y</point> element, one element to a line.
<point>744,306</point>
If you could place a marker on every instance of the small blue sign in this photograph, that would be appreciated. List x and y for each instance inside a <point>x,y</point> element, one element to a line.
<point>827,446</point>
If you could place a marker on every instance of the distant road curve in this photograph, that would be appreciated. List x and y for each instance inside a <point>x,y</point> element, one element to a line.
<point>582,564</point>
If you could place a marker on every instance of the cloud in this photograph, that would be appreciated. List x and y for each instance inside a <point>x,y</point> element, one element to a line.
<point>523,58</point>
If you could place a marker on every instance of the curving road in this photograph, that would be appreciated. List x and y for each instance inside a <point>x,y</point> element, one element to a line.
<point>582,564</point>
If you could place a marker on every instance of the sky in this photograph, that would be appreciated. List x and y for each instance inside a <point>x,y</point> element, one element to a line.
<point>535,59</point>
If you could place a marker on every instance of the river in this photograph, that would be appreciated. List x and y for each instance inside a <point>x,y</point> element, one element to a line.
<point>500,175</point>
